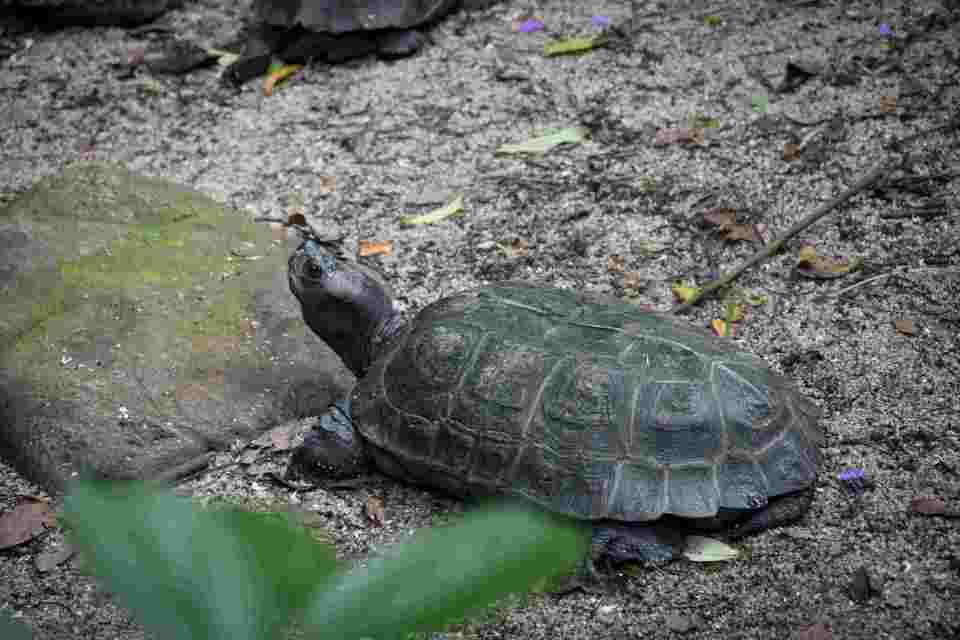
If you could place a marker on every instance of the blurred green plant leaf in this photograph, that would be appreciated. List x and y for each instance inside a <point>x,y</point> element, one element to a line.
<point>10,629</point>
<point>214,574</point>
<point>444,572</point>
<point>187,572</point>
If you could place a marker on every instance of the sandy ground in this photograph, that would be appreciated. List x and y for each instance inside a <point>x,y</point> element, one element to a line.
<point>359,145</point>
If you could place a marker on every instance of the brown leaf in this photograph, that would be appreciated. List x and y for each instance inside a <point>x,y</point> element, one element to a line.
<point>376,511</point>
<point>369,248</point>
<point>739,231</point>
<point>616,263</point>
<point>928,506</point>
<point>280,438</point>
<point>720,216</point>
<point>328,184</point>
<point>191,391</point>
<point>679,135</point>
<point>905,326</point>
<point>888,104</point>
<point>633,280</point>
<point>248,328</point>
<point>513,248</point>
<point>26,521</point>
<point>215,344</point>
<point>791,151</point>
<point>297,219</point>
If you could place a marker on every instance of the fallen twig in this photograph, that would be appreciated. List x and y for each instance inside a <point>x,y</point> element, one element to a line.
<point>877,172</point>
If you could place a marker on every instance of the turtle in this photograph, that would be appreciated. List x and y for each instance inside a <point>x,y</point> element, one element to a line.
<point>298,31</point>
<point>587,406</point>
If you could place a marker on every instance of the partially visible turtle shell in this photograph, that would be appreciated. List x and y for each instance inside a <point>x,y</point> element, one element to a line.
<point>595,410</point>
<point>342,16</point>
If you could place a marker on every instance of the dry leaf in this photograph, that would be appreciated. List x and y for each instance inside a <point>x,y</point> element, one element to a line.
<point>720,327</point>
<point>191,391</point>
<point>328,184</point>
<point>632,281</point>
<point>791,151</point>
<point>513,248</point>
<point>739,231</point>
<point>928,506</point>
<point>280,438</point>
<point>31,517</point>
<point>813,265</point>
<point>905,326</point>
<point>454,207</point>
<point>215,344</point>
<point>720,216</point>
<point>679,135</point>
<point>684,293</point>
<point>376,511</point>
<point>368,248</point>
<point>888,104</point>
<point>616,263</point>
<point>277,75</point>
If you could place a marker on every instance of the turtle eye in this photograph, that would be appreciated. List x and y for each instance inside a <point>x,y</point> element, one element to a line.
<point>314,270</point>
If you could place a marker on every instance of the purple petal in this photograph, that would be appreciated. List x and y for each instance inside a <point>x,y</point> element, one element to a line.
<point>885,29</point>
<point>530,26</point>
<point>601,22</point>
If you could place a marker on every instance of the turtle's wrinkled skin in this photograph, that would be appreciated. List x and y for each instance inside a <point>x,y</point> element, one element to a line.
<point>299,31</point>
<point>587,407</point>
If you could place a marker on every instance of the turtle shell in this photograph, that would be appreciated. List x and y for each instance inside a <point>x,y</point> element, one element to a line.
<point>592,409</point>
<point>342,16</point>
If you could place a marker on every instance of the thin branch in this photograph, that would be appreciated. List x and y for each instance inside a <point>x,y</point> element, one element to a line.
<point>872,176</point>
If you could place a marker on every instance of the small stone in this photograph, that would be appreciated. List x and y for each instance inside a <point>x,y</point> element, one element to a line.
<point>863,585</point>
<point>680,623</point>
<point>607,613</point>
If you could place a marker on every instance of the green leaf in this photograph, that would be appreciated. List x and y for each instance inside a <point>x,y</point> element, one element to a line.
<point>445,572</point>
<point>10,629</point>
<point>760,104</point>
<point>702,549</point>
<point>574,45</point>
<point>192,573</point>
<point>542,144</point>
<point>437,215</point>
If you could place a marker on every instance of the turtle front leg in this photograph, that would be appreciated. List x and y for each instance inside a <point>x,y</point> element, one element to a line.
<point>332,449</point>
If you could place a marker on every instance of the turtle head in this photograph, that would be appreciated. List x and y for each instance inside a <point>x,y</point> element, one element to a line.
<point>347,304</point>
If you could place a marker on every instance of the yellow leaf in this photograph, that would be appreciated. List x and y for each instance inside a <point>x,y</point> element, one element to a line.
<point>437,215</point>
<point>277,75</point>
<point>685,293</point>
<point>574,45</point>
<point>719,327</point>
<point>734,312</point>
<point>545,143</point>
